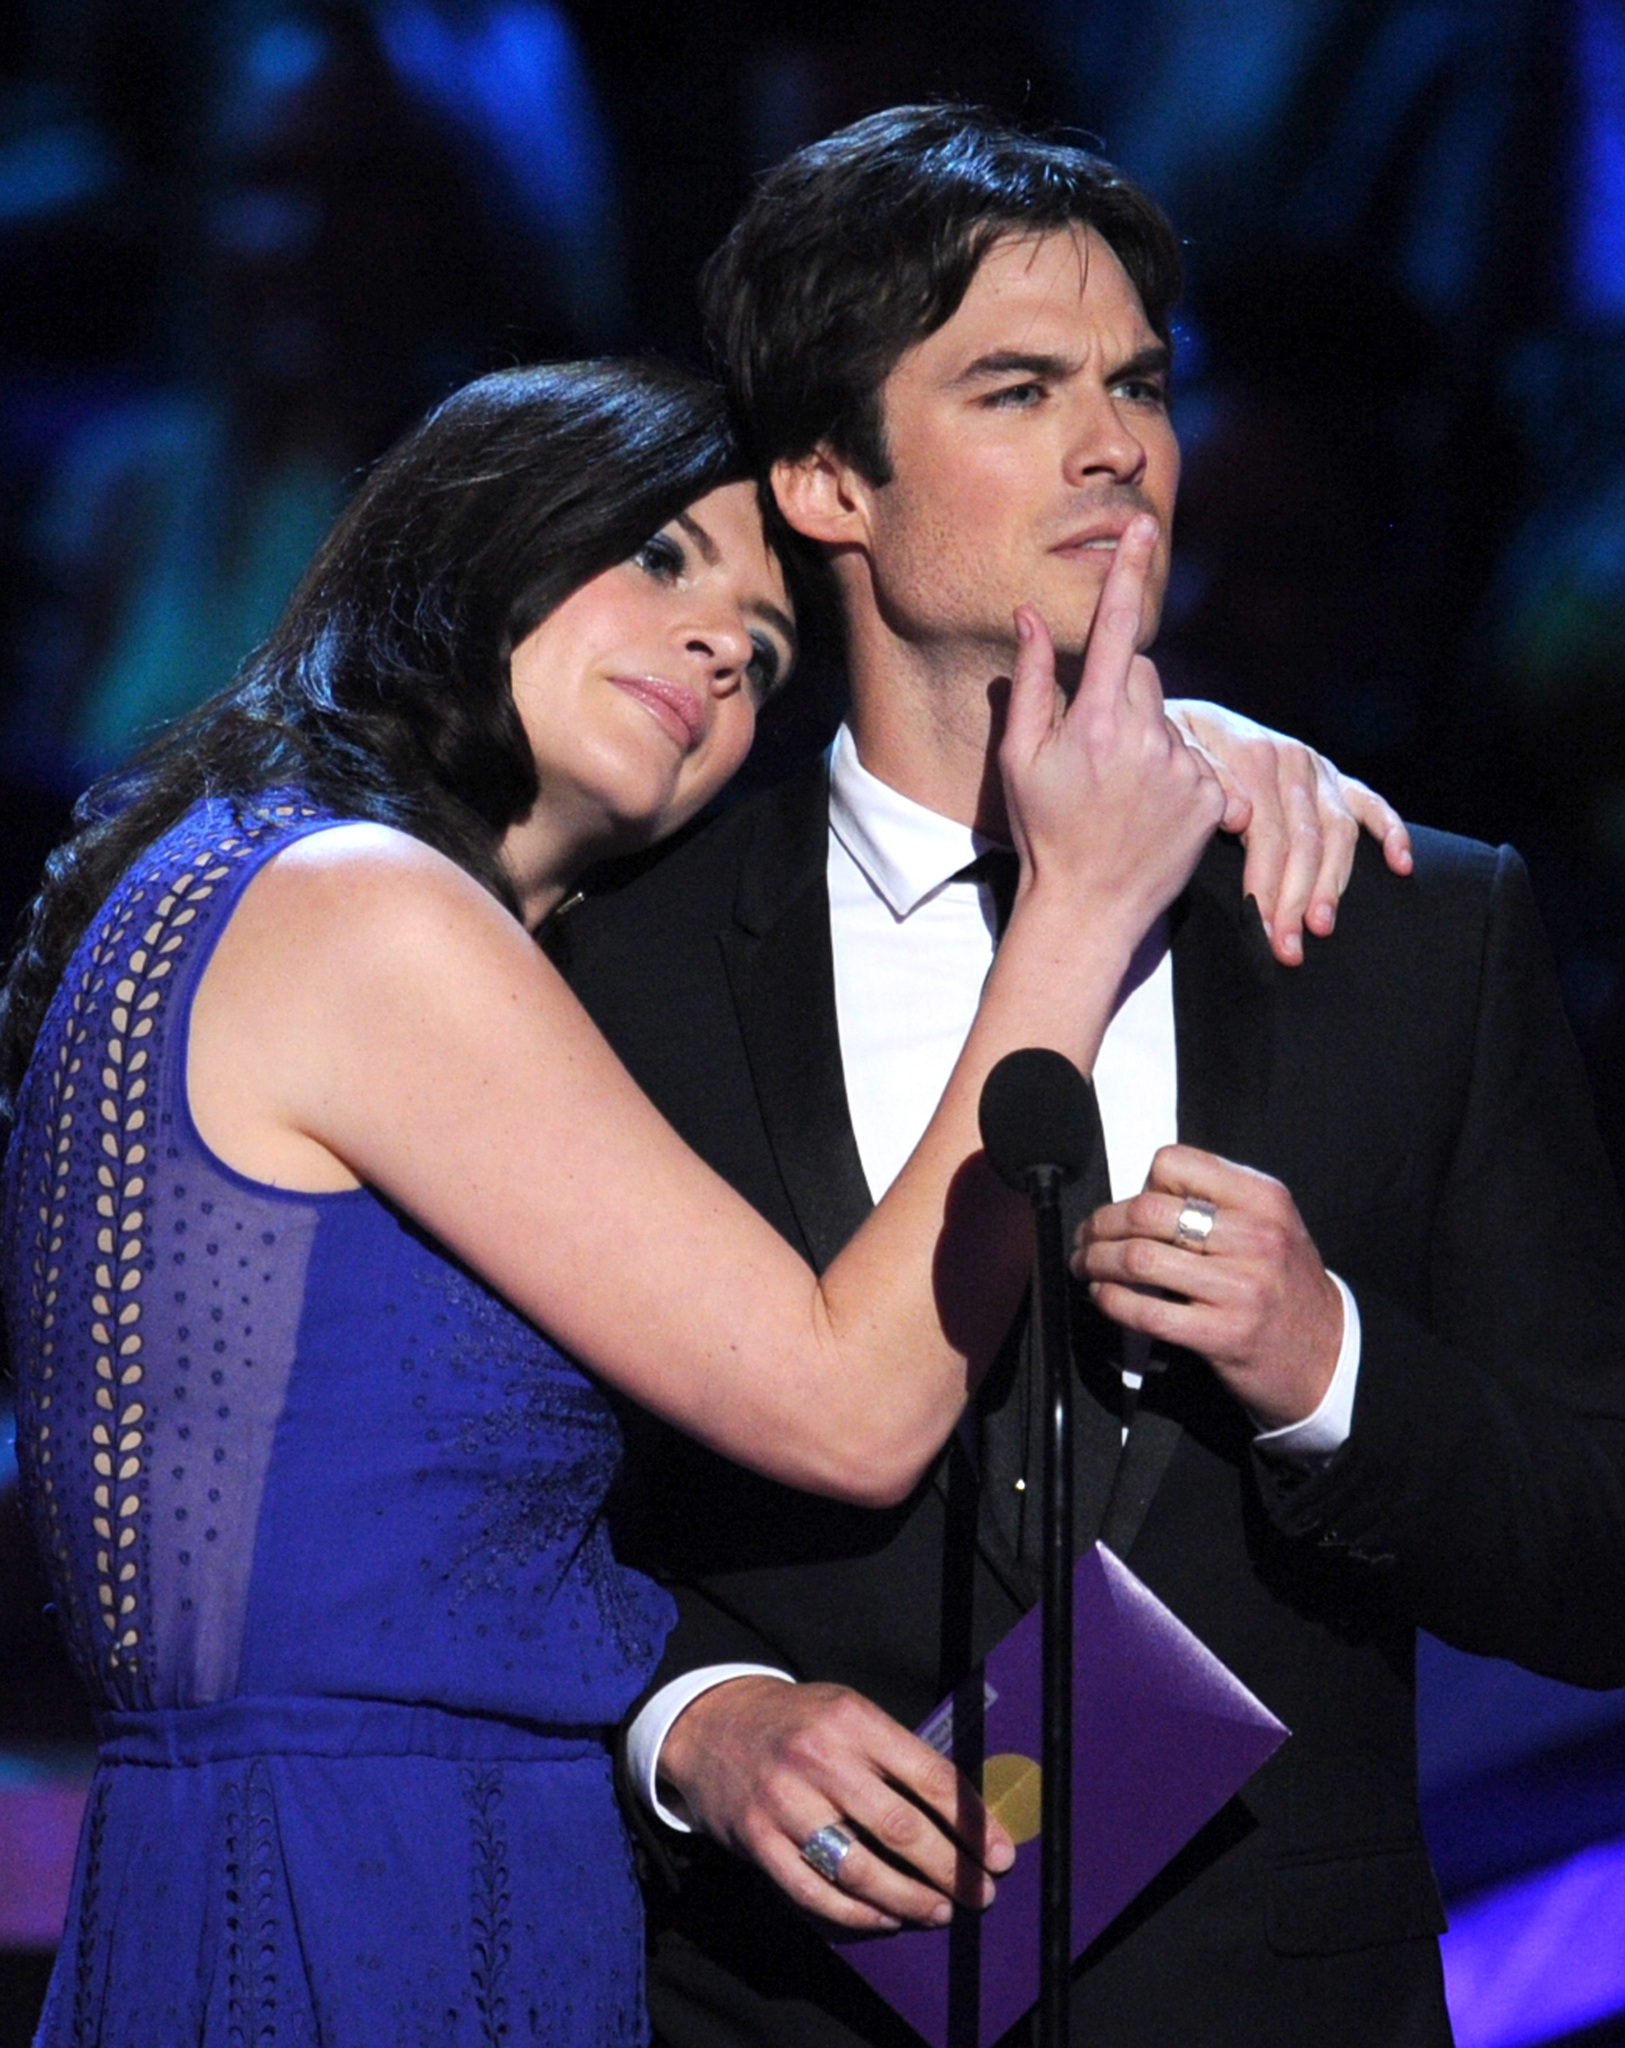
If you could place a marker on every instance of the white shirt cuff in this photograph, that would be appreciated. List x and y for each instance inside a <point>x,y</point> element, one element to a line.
<point>1317,1436</point>
<point>653,1723</point>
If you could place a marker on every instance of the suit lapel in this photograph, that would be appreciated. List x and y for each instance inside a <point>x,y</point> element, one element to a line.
<point>1223,972</point>
<point>780,965</point>
<point>780,970</point>
<point>1223,977</point>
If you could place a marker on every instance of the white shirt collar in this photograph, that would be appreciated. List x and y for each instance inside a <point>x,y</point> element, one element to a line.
<point>906,851</point>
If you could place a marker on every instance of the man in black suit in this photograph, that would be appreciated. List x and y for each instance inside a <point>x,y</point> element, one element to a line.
<point>1384,1375</point>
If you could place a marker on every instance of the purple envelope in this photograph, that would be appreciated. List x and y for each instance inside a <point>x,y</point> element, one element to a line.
<point>1163,1735</point>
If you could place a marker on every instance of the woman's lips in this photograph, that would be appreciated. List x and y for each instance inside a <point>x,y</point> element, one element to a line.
<point>672,705</point>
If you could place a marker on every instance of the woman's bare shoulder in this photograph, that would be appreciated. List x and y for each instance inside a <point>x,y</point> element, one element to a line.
<point>364,932</point>
<point>356,959</point>
<point>363,887</point>
<point>357,853</point>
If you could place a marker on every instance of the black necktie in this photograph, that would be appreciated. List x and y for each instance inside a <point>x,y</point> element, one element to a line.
<point>998,870</point>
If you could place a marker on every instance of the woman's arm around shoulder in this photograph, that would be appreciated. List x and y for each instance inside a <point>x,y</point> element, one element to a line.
<point>372,1015</point>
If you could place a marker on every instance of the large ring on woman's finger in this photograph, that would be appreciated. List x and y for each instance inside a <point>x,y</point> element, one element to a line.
<point>827,1850</point>
<point>1194,1224</point>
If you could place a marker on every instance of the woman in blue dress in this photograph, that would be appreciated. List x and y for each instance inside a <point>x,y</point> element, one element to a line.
<point>326,1209</point>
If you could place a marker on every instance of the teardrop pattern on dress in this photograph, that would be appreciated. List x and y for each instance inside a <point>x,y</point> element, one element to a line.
<point>252,1922</point>
<point>114,1013</point>
<point>490,1904</point>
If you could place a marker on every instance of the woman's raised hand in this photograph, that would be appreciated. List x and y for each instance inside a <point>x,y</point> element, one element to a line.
<point>1106,800</point>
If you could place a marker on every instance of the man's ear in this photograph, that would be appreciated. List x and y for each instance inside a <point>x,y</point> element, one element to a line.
<point>824,497</point>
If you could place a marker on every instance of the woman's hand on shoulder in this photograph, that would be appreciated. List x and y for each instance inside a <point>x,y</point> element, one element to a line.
<point>1299,817</point>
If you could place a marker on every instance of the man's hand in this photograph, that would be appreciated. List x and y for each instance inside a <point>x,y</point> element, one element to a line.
<point>761,1766</point>
<point>1252,1297</point>
<point>1299,817</point>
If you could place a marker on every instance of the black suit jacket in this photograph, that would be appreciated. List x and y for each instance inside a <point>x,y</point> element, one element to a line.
<point>1414,1085</point>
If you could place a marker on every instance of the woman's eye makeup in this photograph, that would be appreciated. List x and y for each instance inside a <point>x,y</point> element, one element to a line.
<point>661,555</point>
<point>766,668</point>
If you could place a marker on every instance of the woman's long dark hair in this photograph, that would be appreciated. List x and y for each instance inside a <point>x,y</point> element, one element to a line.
<point>384,690</point>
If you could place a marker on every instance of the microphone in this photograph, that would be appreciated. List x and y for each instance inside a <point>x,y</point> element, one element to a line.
<point>1038,1119</point>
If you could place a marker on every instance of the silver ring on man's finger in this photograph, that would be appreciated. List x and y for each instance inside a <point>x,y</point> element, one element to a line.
<point>1194,1224</point>
<point>827,1850</point>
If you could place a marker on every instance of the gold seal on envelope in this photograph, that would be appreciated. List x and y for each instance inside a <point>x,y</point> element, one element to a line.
<point>1012,1785</point>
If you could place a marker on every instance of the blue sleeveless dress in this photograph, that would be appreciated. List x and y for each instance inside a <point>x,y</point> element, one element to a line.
<point>323,1520</point>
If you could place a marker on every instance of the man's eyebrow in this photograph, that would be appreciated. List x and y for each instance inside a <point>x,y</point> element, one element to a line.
<point>1005,362</point>
<point>1154,360</point>
<point>764,608</point>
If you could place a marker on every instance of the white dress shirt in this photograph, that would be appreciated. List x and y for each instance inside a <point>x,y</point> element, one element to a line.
<point>912,945</point>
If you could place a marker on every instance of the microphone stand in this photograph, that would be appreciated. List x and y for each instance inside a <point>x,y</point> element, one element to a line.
<point>1053,1334</point>
<point>1040,1128</point>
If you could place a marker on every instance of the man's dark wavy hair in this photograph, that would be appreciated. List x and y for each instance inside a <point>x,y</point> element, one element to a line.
<point>383,690</point>
<point>858,246</point>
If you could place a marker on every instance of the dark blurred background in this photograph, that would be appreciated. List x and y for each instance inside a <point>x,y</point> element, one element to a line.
<point>244,243</point>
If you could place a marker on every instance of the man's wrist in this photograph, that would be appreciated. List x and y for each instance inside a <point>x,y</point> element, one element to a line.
<point>653,1722</point>
<point>1323,1433</point>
